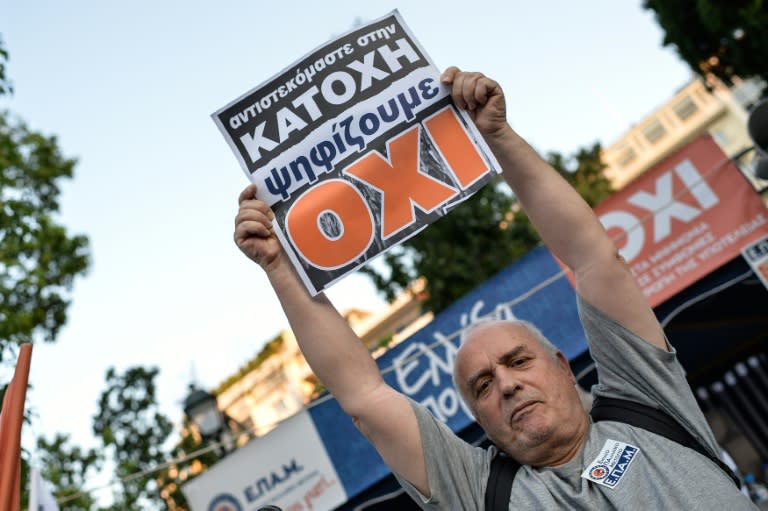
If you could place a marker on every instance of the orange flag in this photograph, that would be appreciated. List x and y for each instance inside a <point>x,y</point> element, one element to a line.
<point>11,417</point>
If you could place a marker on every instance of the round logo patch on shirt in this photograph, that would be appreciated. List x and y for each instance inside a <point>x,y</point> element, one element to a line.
<point>610,466</point>
<point>598,472</point>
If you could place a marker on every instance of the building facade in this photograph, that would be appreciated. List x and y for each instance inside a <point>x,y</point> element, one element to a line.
<point>695,109</point>
<point>278,382</point>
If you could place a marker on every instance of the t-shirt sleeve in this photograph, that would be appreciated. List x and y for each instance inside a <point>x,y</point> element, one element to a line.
<point>457,471</point>
<point>629,367</point>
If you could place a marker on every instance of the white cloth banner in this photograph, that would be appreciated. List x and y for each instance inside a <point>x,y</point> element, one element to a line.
<point>288,468</point>
<point>40,498</point>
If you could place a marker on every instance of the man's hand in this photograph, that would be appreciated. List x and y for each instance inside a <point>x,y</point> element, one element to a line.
<point>254,235</point>
<point>480,96</point>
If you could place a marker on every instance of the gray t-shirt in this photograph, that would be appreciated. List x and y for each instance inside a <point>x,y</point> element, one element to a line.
<point>619,467</point>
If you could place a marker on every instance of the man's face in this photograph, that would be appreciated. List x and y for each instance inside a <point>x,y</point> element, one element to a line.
<point>524,398</point>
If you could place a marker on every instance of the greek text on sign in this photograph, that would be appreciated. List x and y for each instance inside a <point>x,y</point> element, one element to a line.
<point>684,218</point>
<point>357,146</point>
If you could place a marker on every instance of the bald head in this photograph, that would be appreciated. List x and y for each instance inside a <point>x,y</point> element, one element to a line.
<point>515,328</point>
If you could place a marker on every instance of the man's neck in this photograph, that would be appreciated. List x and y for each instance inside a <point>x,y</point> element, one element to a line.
<point>569,448</point>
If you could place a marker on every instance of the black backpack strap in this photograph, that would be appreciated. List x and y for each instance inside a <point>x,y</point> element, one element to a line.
<point>499,489</point>
<point>655,421</point>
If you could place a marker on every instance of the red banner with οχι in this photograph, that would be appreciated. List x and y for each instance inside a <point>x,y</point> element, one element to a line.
<point>683,218</point>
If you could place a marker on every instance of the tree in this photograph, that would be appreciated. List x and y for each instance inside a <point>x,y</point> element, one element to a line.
<point>724,37</point>
<point>131,428</point>
<point>5,85</point>
<point>38,258</point>
<point>478,238</point>
<point>172,478</point>
<point>67,469</point>
<point>584,171</point>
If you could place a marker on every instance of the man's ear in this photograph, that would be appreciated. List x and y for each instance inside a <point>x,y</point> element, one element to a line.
<point>566,366</point>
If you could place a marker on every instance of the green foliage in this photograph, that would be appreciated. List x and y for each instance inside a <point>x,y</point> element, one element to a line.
<point>38,258</point>
<point>38,262</point>
<point>724,37</point>
<point>584,172</point>
<point>67,469</point>
<point>171,479</point>
<point>478,238</point>
<point>385,341</point>
<point>5,85</point>
<point>131,428</point>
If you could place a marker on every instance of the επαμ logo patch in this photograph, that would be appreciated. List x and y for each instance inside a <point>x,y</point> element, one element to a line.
<point>609,467</point>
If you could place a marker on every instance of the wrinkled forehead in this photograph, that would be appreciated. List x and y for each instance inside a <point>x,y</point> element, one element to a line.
<point>490,332</point>
<point>490,340</point>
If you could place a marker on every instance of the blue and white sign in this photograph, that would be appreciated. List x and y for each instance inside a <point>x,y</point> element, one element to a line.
<point>288,468</point>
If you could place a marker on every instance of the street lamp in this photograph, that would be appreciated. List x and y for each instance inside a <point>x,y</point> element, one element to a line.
<point>202,410</point>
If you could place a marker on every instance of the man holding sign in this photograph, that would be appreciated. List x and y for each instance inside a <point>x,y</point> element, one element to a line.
<point>519,387</point>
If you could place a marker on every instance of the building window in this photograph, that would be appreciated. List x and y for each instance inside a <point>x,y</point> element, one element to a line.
<point>654,132</point>
<point>627,155</point>
<point>248,424</point>
<point>280,406</point>
<point>720,137</point>
<point>685,108</point>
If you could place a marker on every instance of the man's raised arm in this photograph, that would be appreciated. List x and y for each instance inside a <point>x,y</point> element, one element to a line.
<point>333,350</point>
<point>565,222</point>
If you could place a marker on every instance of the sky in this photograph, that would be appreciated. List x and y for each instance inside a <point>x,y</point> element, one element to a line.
<point>128,88</point>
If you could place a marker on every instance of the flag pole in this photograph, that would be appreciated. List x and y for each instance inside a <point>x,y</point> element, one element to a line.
<point>11,418</point>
